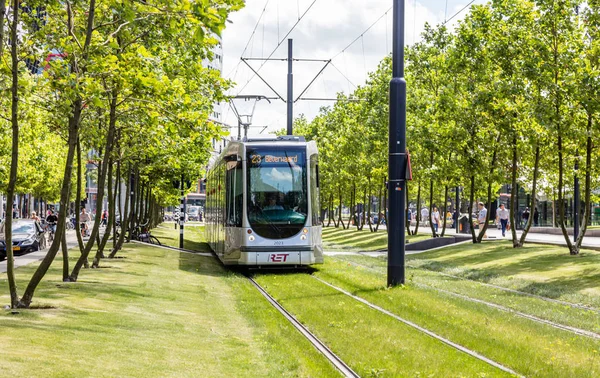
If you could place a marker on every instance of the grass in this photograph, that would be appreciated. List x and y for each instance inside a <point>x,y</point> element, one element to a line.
<point>372,343</point>
<point>530,348</point>
<point>365,240</point>
<point>193,237</point>
<point>376,345</point>
<point>538,269</point>
<point>154,313</point>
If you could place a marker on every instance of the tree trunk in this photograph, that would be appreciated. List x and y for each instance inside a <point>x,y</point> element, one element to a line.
<point>380,200</point>
<point>362,218</point>
<point>561,204</point>
<point>445,210</point>
<point>385,191</point>
<point>117,197</point>
<point>588,185</point>
<point>102,243</point>
<point>78,198</point>
<point>132,200</point>
<point>125,220</point>
<point>14,161</point>
<point>433,233</point>
<point>533,197</point>
<point>418,217</point>
<point>370,203</point>
<point>470,209</point>
<point>64,203</point>
<point>490,181</point>
<point>65,253</point>
<point>110,137</point>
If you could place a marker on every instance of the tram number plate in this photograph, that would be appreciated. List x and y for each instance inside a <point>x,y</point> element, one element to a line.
<point>279,257</point>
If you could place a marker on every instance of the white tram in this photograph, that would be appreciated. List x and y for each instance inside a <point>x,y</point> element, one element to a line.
<point>262,203</point>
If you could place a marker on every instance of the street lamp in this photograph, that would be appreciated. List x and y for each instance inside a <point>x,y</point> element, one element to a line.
<point>397,154</point>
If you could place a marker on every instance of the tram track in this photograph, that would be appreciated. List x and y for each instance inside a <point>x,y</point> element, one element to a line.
<point>422,329</point>
<point>574,330</point>
<point>336,361</point>
<point>509,290</point>
<point>339,364</point>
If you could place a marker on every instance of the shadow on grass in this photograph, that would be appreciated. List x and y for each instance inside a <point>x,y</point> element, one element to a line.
<point>209,266</point>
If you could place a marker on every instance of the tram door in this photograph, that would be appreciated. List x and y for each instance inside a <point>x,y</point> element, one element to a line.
<point>234,205</point>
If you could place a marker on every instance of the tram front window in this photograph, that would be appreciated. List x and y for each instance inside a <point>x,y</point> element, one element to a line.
<point>277,193</point>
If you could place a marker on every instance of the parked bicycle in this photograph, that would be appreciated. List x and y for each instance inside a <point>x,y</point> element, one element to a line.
<point>143,234</point>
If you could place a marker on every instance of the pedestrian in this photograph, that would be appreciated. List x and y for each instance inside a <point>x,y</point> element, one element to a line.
<point>424,216</point>
<point>481,217</point>
<point>454,218</point>
<point>104,218</point>
<point>435,219</point>
<point>525,216</point>
<point>15,212</point>
<point>502,216</point>
<point>536,217</point>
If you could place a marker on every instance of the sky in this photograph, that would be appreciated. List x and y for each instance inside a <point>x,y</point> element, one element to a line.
<point>323,33</point>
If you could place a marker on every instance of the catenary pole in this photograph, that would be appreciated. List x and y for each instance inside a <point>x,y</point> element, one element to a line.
<point>290,88</point>
<point>397,154</point>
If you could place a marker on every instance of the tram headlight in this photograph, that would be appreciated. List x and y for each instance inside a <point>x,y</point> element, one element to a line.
<point>305,230</point>
<point>251,237</point>
<point>303,237</point>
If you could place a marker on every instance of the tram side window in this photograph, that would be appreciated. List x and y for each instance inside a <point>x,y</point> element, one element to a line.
<point>315,203</point>
<point>234,194</point>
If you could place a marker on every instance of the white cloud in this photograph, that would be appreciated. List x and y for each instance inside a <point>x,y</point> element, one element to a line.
<point>327,28</point>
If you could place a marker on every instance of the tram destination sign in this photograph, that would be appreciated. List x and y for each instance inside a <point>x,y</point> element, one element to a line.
<point>273,158</point>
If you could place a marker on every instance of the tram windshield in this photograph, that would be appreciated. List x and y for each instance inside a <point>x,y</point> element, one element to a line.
<point>277,192</point>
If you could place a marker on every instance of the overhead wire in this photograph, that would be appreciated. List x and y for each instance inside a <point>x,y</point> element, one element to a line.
<point>363,33</point>
<point>278,45</point>
<point>459,12</point>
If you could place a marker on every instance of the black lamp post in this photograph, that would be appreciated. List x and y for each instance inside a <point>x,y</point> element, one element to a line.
<point>397,154</point>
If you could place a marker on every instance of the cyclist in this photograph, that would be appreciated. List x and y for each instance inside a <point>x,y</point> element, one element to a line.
<point>34,217</point>
<point>84,218</point>
<point>51,221</point>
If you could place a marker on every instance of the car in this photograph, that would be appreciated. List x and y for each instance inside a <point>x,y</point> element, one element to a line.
<point>27,234</point>
<point>194,213</point>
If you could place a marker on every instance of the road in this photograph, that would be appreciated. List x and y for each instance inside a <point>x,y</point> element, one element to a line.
<point>39,255</point>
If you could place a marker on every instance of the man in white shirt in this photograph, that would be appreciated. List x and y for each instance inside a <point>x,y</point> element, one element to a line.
<point>481,217</point>
<point>502,215</point>
<point>424,215</point>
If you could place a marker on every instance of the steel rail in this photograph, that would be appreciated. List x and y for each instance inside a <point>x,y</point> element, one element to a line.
<point>318,344</point>
<point>422,329</point>
<point>575,330</point>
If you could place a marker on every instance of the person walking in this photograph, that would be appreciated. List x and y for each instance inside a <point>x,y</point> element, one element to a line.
<point>424,216</point>
<point>435,219</point>
<point>502,216</point>
<point>104,218</point>
<point>536,217</point>
<point>525,216</point>
<point>481,217</point>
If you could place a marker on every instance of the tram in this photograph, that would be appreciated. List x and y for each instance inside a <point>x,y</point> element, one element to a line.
<point>262,203</point>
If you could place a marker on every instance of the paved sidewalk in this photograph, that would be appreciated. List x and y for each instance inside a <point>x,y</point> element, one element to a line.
<point>39,255</point>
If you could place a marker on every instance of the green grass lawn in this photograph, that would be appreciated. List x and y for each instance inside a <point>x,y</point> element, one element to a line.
<point>154,313</point>
<point>339,239</point>
<point>538,269</point>
<point>193,237</point>
<point>377,345</point>
<point>372,343</point>
<point>530,348</point>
